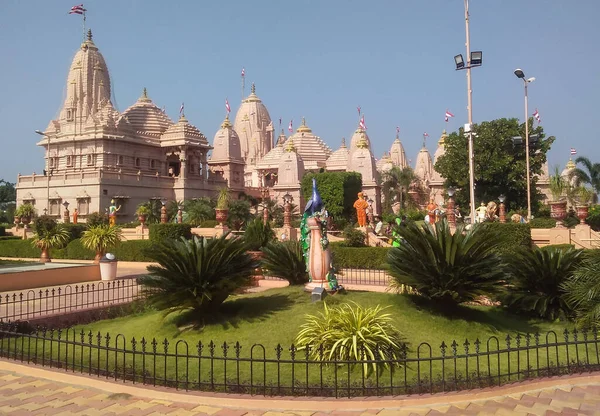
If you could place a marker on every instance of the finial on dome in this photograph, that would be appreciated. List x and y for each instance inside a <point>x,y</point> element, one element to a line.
<point>145,93</point>
<point>343,142</point>
<point>303,121</point>
<point>226,123</point>
<point>362,143</point>
<point>290,145</point>
<point>89,35</point>
<point>253,89</point>
<point>570,164</point>
<point>144,98</point>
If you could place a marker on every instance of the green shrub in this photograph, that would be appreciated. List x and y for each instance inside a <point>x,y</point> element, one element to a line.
<point>571,219</point>
<point>170,231</point>
<point>593,219</point>
<point>515,236</point>
<point>10,237</point>
<point>257,235</point>
<point>208,224</point>
<point>353,237</point>
<point>285,260</point>
<point>359,257</point>
<point>75,230</point>
<point>543,211</point>
<point>19,248</point>
<point>415,215</point>
<point>94,219</point>
<point>351,332</point>
<point>2,231</point>
<point>338,191</point>
<point>133,250</point>
<point>44,223</point>
<point>582,292</point>
<point>542,223</point>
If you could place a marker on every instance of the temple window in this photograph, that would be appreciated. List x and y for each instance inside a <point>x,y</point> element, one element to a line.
<point>69,160</point>
<point>52,162</point>
<point>152,163</point>
<point>119,160</point>
<point>69,115</point>
<point>90,160</point>
<point>137,162</point>
<point>55,205</point>
<point>83,206</point>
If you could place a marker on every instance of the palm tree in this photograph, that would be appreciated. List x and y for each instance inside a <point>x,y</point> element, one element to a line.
<point>583,292</point>
<point>396,182</point>
<point>101,238</point>
<point>448,267</point>
<point>48,238</point>
<point>537,279</point>
<point>591,177</point>
<point>199,210</point>
<point>197,274</point>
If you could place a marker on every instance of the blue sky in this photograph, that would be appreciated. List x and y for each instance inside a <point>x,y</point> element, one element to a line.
<point>313,58</point>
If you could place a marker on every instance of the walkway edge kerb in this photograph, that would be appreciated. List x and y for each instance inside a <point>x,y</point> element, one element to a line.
<point>302,403</point>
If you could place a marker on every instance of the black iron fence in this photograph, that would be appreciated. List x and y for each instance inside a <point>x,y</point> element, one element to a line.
<point>258,370</point>
<point>36,303</point>
<point>351,276</point>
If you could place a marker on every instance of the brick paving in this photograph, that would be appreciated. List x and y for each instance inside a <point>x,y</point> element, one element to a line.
<point>28,390</point>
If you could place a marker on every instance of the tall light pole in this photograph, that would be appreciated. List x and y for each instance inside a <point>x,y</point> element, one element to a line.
<point>48,171</point>
<point>521,75</point>
<point>474,59</point>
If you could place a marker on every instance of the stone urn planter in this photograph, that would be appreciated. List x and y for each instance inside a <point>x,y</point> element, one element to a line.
<point>582,212</point>
<point>26,221</point>
<point>17,221</point>
<point>258,272</point>
<point>45,256</point>
<point>558,211</point>
<point>221,216</point>
<point>142,219</point>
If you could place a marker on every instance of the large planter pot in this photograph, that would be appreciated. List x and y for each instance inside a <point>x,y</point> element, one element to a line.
<point>17,220</point>
<point>258,272</point>
<point>582,212</point>
<point>26,221</point>
<point>142,219</point>
<point>221,215</point>
<point>45,257</point>
<point>558,211</point>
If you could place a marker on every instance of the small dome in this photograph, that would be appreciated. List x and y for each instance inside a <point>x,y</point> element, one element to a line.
<point>226,144</point>
<point>338,161</point>
<point>424,166</point>
<point>566,173</point>
<point>272,159</point>
<point>146,118</point>
<point>184,130</point>
<point>385,164</point>
<point>313,150</point>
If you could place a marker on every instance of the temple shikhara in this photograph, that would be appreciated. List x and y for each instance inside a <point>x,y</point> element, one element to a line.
<point>95,154</point>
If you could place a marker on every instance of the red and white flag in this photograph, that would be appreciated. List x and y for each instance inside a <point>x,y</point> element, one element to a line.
<point>358,108</point>
<point>77,9</point>
<point>227,107</point>
<point>448,116</point>
<point>290,127</point>
<point>425,134</point>
<point>573,151</point>
<point>536,115</point>
<point>243,72</point>
<point>362,124</point>
<point>181,109</point>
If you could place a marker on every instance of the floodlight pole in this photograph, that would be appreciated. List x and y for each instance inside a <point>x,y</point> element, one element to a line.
<point>525,82</point>
<point>470,111</point>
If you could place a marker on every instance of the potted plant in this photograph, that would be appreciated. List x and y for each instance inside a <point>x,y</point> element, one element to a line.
<point>558,205</point>
<point>101,238</point>
<point>222,208</point>
<point>142,211</point>
<point>256,236</point>
<point>49,235</point>
<point>583,196</point>
<point>25,212</point>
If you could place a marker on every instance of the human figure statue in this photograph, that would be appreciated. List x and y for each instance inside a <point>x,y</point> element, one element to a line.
<point>361,206</point>
<point>481,212</point>
<point>491,211</point>
<point>75,215</point>
<point>112,212</point>
<point>431,208</point>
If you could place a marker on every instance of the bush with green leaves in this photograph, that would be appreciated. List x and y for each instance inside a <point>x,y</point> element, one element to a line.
<point>173,231</point>
<point>536,282</point>
<point>197,274</point>
<point>353,237</point>
<point>199,211</point>
<point>448,267</point>
<point>285,260</point>
<point>351,332</point>
<point>582,292</point>
<point>358,257</point>
<point>338,191</point>
<point>2,231</point>
<point>515,236</point>
<point>542,223</point>
<point>593,219</point>
<point>257,235</point>
<point>75,230</point>
<point>96,218</point>
<point>49,235</point>
<point>239,214</point>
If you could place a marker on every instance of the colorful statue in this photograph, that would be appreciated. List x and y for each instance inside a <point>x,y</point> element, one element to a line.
<point>481,211</point>
<point>491,211</point>
<point>361,206</point>
<point>75,215</point>
<point>431,208</point>
<point>112,212</point>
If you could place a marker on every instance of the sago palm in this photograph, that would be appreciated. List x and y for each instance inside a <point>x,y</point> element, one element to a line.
<point>536,281</point>
<point>449,268</point>
<point>101,238</point>
<point>48,238</point>
<point>582,292</point>
<point>285,260</point>
<point>197,274</point>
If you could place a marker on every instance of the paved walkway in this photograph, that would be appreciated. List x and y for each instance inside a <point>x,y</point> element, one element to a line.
<point>28,390</point>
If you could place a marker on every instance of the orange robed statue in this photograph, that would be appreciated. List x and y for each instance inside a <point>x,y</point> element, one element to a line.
<point>361,210</point>
<point>431,211</point>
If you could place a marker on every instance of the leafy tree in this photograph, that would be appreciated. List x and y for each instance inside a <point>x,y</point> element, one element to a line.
<point>449,268</point>
<point>285,260</point>
<point>537,278</point>
<point>8,192</point>
<point>500,166</point>
<point>197,274</point>
<point>591,174</point>
<point>338,191</point>
<point>396,183</point>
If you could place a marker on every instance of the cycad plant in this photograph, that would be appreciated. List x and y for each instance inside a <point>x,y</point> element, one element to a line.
<point>101,238</point>
<point>257,235</point>
<point>449,268</point>
<point>536,281</point>
<point>350,332</point>
<point>49,235</point>
<point>582,292</point>
<point>197,274</point>
<point>285,260</point>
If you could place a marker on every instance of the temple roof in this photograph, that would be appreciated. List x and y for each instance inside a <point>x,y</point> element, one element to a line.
<point>145,117</point>
<point>226,144</point>
<point>272,159</point>
<point>439,152</point>
<point>183,131</point>
<point>424,166</point>
<point>252,124</point>
<point>313,150</point>
<point>397,153</point>
<point>339,159</point>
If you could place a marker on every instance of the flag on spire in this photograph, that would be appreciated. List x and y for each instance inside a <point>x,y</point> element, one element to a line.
<point>181,109</point>
<point>78,9</point>
<point>358,108</point>
<point>397,129</point>
<point>448,116</point>
<point>425,134</point>
<point>290,128</point>
<point>573,151</point>
<point>243,72</point>
<point>227,107</point>
<point>361,123</point>
<point>536,115</point>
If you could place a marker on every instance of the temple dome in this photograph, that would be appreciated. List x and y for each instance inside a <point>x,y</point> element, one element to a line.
<point>338,161</point>
<point>569,168</point>
<point>291,166</point>
<point>385,164</point>
<point>311,148</point>
<point>363,162</point>
<point>144,117</point>
<point>424,166</point>
<point>272,159</point>
<point>440,151</point>
<point>397,154</point>
<point>358,135</point>
<point>254,127</point>
<point>226,144</point>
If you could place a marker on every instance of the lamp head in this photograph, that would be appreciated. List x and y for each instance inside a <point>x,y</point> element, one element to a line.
<point>459,61</point>
<point>531,79</point>
<point>451,191</point>
<point>476,58</point>
<point>41,133</point>
<point>502,198</point>
<point>519,73</point>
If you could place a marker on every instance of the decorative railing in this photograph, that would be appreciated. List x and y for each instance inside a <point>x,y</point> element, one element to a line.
<point>351,276</point>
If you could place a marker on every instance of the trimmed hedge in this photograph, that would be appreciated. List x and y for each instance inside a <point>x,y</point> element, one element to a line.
<point>542,223</point>
<point>75,230</point>
<point>359,257</point>
<point>518,236</point>
<point>161,232</point>
<point>2,231</point>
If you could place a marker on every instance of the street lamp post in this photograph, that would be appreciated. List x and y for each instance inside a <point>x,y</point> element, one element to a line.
<point>450,215</point>
<point>474,59</point>
<point>502,198</point>
<point>521,75</point>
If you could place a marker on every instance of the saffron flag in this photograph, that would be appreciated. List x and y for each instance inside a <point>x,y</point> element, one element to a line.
<point>362,124</point>
<point>181,109</point>
<point>243,72</point>
<point>290,128</point>
<point>77,9</point>
<point>573,151</point>
<point>227,106</point>
<point>536,115</point>
<point>448,116</point>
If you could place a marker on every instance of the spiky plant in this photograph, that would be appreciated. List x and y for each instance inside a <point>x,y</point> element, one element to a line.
<point>196,274</point>
<point>582,292</point>
<point>448,267</point>
<point>258,235</point>
<point>536,281</point>
<point>351,332</point>
<point>50,237</point>
<point>285,260</point>
<point>101,238</point>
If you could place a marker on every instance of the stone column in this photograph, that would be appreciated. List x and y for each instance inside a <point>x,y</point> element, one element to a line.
<point>319,260</point>
<point>183,168</point>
